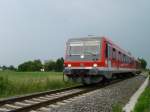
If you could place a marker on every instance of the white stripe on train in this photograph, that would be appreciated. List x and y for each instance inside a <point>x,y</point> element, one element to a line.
<point>104,68</point>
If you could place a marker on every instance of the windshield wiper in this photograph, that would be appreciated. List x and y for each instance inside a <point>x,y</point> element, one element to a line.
<point>94,54</point>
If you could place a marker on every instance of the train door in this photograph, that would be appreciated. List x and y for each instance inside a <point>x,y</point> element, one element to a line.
<point>109,56</point>
<point>109,60</point>
<point>117,58</point>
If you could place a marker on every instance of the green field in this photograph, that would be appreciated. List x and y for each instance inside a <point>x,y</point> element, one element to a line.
<point>19,83</point>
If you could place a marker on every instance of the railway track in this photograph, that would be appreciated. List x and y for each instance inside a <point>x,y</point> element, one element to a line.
<point>43,99</point>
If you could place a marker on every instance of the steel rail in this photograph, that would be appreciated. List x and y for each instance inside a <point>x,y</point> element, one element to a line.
<point>34,95</point>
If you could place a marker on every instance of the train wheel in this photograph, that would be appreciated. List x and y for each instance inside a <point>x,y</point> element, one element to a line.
<point>92,80</point>
<point>114,77</point>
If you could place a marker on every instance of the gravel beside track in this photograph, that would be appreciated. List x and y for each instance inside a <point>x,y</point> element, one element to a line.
<point>102,100</point>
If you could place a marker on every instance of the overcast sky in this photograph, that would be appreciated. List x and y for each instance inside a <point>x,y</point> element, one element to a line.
<point>38,29</point>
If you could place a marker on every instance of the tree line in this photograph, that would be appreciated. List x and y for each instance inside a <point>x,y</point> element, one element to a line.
<point>11,67</point>
<point>37,65</point>
<point>50,65</point>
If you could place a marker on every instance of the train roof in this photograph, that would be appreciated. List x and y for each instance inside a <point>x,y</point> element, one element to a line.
<point>120,49</point>
<point>84,39</point>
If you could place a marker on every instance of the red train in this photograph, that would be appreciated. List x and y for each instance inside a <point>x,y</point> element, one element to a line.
<point>92,59</point>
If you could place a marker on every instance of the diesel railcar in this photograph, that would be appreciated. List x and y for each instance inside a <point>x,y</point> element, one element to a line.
<point>92,59</point>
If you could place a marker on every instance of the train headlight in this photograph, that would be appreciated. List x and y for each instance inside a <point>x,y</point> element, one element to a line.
<point>69,65</point>
<point>95,65</point>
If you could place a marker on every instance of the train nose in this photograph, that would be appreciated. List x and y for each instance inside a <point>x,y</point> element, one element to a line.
<point>93,72</point>
<point>81,65</point>
<point>78,72</point>
<point>67,71</point>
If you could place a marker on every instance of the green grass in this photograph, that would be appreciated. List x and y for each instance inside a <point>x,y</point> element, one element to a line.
<point>19,83</point>
<point>117,108</point>
<point>143,104</point>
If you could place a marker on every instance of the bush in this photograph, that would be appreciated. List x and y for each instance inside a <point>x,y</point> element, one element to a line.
<point>54,65</point>
<point>35,65</point>
<point>143,63</point>
<point>49,65</point>
<point>59,65</point>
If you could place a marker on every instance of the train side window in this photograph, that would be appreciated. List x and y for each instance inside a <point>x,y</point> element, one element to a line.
<point>119,56</point>
<point>131,61</point>
<point>123,58</point>
<point>128,60</point>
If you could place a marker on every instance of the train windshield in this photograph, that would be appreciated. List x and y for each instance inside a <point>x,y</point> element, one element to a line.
<point>83,50</point>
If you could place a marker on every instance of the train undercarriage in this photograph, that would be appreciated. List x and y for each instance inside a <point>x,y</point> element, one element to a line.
<point>94,76</point>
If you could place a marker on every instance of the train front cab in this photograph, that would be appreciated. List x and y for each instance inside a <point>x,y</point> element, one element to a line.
<point>84,66</point>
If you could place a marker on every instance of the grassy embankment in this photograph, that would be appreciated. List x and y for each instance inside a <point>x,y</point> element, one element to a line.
<point>143,104</point>
<point>19,83</point>
<point>117,108</point>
